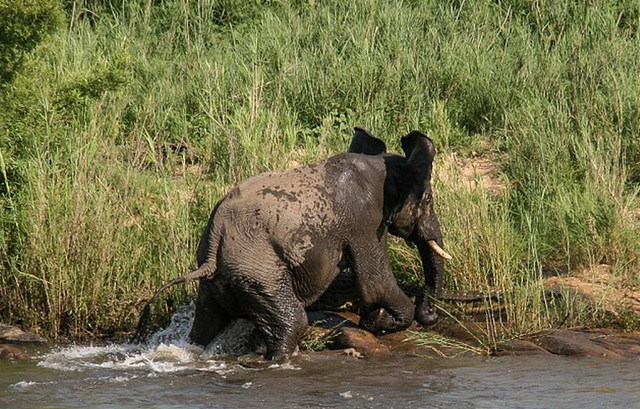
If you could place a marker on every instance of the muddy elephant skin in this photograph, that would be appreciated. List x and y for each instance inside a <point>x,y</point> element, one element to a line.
<point>274,243</point>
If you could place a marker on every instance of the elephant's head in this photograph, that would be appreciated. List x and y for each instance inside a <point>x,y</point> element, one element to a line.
<point>408,207</point>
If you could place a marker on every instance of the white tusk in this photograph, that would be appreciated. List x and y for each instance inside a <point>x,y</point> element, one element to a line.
<point>438,250</point>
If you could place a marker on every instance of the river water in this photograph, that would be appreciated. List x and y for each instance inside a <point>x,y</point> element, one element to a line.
<point>169,373</point>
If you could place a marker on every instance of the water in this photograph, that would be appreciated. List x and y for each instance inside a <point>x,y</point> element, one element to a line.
<point>169,373</point>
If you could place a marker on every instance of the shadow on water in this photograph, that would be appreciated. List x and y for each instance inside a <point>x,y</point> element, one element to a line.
<point>167,372</point>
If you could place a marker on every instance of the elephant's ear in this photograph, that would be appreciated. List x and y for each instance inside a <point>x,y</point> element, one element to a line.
<point>364,142</point>
<point>419,151</point>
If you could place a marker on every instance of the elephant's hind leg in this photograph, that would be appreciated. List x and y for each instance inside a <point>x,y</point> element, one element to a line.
<point>288,332</point>
<point>280,319</point>
<point>210,318</point>
<point>284,333</point>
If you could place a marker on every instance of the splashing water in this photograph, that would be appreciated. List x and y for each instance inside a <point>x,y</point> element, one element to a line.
<point>168,350</point>
<point>177,333</point>
<point>235,339</point>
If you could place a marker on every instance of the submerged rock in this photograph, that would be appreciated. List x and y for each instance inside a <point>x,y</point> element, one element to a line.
<point>12,352</point>
<point>359,340</point>
<point>624,343</point>
<point>10,334</point>
<point>576,343</point>
<point>520,347</point>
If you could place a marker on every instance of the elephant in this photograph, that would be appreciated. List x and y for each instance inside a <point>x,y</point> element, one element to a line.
<point>275,242</point>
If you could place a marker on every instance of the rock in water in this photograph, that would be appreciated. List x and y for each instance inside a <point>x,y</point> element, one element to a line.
<point>9,333</point>
<point>575,343</point>
<point>12,352</point>
<point>360,340</point>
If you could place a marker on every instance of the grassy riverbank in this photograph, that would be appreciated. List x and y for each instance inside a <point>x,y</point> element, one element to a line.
<point>122,127</point>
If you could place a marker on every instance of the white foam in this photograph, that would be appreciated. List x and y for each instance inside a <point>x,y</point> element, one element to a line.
<point>79,358</point>
<point>162,358</point>
<point>285,365</point>
<point>167,351</point>
<point>351,395</point>
<point>121,379</point>
<point>22,385</point>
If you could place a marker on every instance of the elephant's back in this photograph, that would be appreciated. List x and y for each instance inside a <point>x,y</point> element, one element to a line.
<point>302,217</point>
<point>301,191</point>
<point>273,218</point>
<point>318,199</point>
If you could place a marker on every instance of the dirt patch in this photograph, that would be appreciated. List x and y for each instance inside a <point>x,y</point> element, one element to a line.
<point>598,284</point>
<point>473,173</point>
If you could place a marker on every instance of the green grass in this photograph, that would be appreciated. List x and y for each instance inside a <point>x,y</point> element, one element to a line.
<point>121,130</point>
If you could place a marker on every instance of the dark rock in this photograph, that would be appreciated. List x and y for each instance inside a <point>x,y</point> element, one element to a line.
<point>574,343</point>
<point>623,343</point>
<point>521,347</point>
<point>12,352</point>
<point>340,330</point>
<point>352,317</point>
<point>400,343</point>
<point>360,340</point>
<point>9,333</point>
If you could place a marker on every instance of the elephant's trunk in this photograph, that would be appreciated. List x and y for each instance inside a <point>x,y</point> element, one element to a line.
<point>433,257</point>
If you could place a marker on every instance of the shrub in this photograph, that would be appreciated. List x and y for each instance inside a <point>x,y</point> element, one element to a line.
<point>23,25</point>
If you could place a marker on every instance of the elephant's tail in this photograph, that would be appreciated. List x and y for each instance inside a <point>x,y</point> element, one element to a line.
<point>205,270</point>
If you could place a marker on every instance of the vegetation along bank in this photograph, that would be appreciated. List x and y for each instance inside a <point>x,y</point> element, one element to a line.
<point>124,122</point>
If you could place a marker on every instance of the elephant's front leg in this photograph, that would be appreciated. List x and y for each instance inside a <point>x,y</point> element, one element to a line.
<point>388,307</point>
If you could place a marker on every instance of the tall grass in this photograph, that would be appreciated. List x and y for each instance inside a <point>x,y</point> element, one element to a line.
<point>122,130</point>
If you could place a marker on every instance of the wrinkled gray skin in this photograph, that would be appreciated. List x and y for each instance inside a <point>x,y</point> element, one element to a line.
<point>275,242</point>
